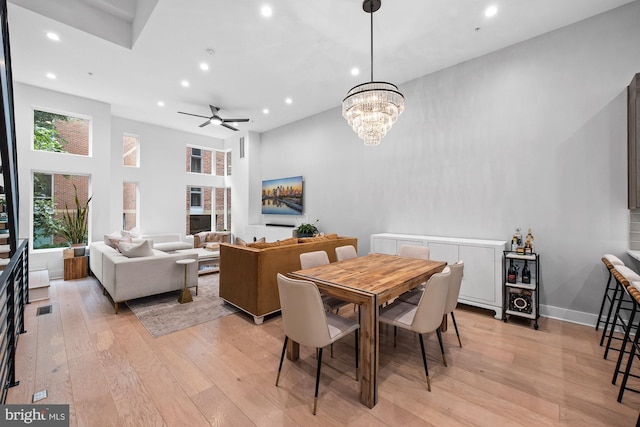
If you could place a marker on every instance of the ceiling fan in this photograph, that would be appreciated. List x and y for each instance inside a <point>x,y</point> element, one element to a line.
<point>215,119</point>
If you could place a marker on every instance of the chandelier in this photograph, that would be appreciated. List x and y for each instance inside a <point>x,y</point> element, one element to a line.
<point>372,108</point>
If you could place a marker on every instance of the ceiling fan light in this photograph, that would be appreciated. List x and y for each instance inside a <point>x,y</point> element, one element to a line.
<point>215,121</point>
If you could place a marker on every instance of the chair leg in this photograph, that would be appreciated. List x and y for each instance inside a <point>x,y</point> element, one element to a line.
<point>624,344</point>
<point>613,324</point>
<point>315,399</point>
<point>604,299</point>
<point>632,354</point>
<point>444,359</point>
<point>606,323</point>
<point>332,350</point>
<point>395,333</point>
<point>424,361</point>
<point>357,355</point>
<point>284,349</point>
<point>455,325</point>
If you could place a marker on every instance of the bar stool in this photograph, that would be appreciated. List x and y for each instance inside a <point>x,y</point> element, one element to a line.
<point>635,295</point>
<point>609,261</point>
<point>624,276</point>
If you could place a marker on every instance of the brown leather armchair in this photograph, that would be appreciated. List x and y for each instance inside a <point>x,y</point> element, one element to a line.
<point>202,239</point>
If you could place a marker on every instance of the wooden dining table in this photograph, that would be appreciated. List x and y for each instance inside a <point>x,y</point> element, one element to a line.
<point>368,281</point>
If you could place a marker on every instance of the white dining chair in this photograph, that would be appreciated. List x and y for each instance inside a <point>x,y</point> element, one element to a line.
<point>346,252</point>
<point>316,259</point>
<point>423,318</point>
<point>306,322</point>
<point>457,271</point>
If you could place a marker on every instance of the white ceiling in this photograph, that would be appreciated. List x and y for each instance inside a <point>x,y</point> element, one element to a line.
<point>132,54</point>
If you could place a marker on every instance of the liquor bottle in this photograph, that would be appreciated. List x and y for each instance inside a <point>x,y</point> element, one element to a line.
<point>512,273</point>
<point>526,274</point>
<point>529,242</point>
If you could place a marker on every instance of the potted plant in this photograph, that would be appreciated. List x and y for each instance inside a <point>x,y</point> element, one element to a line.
<point>306,230</point>
<point>74,225</point>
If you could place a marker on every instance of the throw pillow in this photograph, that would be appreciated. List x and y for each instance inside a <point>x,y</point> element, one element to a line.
<point>285,242</point>
<point>134,233</point>
<point>212,246</point>
<point>114,241</point>
<point>240,242</point>
<point>136,250</point>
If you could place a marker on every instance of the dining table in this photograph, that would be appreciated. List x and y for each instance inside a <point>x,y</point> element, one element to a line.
<point>367,281</point>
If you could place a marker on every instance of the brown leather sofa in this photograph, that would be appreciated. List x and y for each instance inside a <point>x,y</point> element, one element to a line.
<point>248,274</point>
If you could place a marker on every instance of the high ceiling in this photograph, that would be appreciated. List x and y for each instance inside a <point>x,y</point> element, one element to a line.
<point>132,54</point>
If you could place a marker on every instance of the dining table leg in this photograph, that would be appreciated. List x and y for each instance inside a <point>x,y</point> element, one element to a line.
<point>369,331</point>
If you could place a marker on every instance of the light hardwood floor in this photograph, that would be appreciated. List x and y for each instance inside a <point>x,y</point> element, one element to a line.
<point>222,373</point>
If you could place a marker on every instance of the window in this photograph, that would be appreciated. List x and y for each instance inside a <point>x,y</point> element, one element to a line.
<point>60,133</point>
<point>53,195</point>
<point>228,163</point>
<point>196,197</point>
<point>196,160</point>
<point>129,205</point>
<point>130,148</point>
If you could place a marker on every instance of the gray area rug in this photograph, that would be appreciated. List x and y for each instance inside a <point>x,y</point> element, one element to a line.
<point>163,314</point>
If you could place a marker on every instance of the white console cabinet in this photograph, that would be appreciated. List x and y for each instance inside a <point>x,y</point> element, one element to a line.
<point>482,280</point>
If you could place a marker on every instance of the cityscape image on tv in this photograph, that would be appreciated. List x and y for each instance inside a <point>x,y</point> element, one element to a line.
<point>282,196</point>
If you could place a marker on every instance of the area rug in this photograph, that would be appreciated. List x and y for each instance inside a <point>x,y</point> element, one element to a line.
<point>163,314</point>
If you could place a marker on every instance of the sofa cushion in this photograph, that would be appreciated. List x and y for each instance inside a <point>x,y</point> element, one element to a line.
<point>332,236</point>
<point>135,250</point>
<point>113,240</point>
<point>264,245</point>
<point>240,242</point>
<point>172,246</point>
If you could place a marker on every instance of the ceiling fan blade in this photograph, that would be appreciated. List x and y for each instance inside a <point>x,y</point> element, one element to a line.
<point>235,120</point>
<point>214,110</point>
<point>205,123</point>
<point>228,126</point>
<point>197,115</point>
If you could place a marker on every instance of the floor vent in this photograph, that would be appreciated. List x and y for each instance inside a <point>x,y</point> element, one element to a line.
<point>39,395</point>
<point>45,309</point>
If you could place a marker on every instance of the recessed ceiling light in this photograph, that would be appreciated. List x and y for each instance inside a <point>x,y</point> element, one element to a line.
<point>265,111</point>
<point>355,71</point>
<point>288,100</point>
<point>490,11</point>
<point>51,76</point>
<point>266,11</point>
<point>204,66</point>
<point>184,83</point>
<point>53,36</point>
<point>160,104</point>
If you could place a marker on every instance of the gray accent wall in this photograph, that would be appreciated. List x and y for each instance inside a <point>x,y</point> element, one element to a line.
<point>533,136</point>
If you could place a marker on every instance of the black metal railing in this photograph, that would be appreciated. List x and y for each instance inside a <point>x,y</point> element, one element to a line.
<point>14,294</point>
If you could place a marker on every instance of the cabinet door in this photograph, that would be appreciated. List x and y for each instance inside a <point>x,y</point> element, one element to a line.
<point>443,252</point>
<point>478,281</point>
<point>383,246</point>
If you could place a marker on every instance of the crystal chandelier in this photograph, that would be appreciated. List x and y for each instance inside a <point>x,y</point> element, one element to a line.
<point>372,108</point>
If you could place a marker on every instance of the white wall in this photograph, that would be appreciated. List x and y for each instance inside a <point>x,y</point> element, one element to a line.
<point>530,136</point>
<point>161,177</point>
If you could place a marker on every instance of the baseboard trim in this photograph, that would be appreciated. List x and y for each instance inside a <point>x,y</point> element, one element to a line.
<point>567,315</point>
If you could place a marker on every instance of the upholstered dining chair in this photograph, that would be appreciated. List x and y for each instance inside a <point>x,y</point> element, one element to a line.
<point>423,318</point>
<point>306,322</point>
<point>420,252</point>
<point>346,252</point>
<point>455,282</point>
<point>316,259</point>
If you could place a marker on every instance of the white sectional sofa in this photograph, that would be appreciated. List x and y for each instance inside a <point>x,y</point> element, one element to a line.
<point>167,242</point>
<point>128,278</point>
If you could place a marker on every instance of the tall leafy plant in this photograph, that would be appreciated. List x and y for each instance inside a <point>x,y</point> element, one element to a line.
<point>74,222</point>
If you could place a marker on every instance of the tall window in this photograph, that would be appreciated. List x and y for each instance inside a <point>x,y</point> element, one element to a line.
<point>196,160</point>
<point>129,205</point>
<point>130,149</point>
<point>60,133</point>
<point>196,197</point>
<point>53,195</point>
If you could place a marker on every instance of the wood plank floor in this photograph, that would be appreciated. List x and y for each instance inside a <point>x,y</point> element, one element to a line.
<point>222,373</point>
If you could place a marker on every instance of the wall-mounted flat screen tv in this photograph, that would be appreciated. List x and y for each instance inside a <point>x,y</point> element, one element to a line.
<point>282,196</point>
